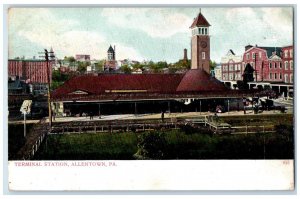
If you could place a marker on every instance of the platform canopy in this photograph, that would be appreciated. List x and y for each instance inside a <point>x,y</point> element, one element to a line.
<point>192,84</point>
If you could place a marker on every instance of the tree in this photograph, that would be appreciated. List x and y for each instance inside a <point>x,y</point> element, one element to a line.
<point>180,65</point>
<point>151,145</point>
<point>100,65</point>
<point>125,69</point>
<point>70,59</point>
<point>58,79</point>
<point>212,65</point>
<point>82,66</point>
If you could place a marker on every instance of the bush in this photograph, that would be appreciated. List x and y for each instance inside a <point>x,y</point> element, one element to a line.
<point>151,145</point>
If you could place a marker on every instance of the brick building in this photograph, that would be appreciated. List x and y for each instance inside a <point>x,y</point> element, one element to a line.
<point>200,44</point>
<point>288,64</point>
<point>32,71</point>
<point>231,66</point>
<point>270,64</point>
<point>82,57</point>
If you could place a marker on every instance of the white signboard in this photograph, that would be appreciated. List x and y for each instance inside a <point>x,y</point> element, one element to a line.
<point>26,106</point>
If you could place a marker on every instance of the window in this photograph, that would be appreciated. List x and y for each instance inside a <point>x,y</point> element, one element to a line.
<point>280,76</point>
<point>280,65</point>
<point>286,53</point>
<point>230,67</point>
<point>230,76</point>
<point>286,78</point>
<point>270,75</point>
<point>275,75</point>
<point>270,65</point>
<point>202,31</point>
<point>199,30</point>
<point>275,65</point>
<point>291,78</point>
<point>248,56</point>
<point>224,68</point>
<point>203,55</point>
<point>286,65</point>
<point>291,65</point>
<point>291,53</point>
<point>253,55</point>
<point>206,31</point>
<point>239,67</point>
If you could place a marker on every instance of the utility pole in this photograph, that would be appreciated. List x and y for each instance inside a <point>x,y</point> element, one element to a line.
<point>262,70</point>
<point>47,56</point>
<point>255,67</point>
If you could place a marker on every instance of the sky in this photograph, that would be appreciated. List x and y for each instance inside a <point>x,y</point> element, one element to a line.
<point>157,34</point>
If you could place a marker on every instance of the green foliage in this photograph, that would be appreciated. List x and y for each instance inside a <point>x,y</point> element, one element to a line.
<point>70,59</point>
<point>212,65</point>
<point>82,66</point>
<point>125,69</point>
<point>100,65</point>
<point>100,146</point>
<point>58,79</point>
<point>151,145</point>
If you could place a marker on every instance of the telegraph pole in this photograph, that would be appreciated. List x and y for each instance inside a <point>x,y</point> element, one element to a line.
<point>47,55</point>
<point>255,67</point>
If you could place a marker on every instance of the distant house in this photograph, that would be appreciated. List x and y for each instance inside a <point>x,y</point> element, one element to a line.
<point>17,86</point>
<point>82,57</point>
<point>218,72</point>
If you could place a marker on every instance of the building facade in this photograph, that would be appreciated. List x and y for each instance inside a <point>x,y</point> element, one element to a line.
<point>110,63</point>
<point>82,57</point>
<point>288,64</point>
<point>32,71</point>
<point>231,67</point>
<point>200,44</point>
<point>270,64</point>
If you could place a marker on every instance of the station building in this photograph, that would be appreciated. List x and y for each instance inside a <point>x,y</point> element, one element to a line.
<point>194,90</point>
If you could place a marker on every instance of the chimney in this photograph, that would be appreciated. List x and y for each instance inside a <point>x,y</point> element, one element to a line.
<point>185,55</point>
<point>114,52</point>
<point>248,47</point>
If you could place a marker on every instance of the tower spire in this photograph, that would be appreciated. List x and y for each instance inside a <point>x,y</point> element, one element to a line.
<point>200,10</point>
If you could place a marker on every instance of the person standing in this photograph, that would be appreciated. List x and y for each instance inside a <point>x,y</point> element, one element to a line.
<point>162,116</point>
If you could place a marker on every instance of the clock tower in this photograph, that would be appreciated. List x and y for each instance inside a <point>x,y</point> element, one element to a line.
<point>200,44</point>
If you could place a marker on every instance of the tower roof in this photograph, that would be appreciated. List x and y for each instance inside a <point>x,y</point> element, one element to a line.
<point>200,21</point>
<point>110,49</point>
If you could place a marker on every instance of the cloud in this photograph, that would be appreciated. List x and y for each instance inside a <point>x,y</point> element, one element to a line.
<point>156,22</point>
<point>41,27</point>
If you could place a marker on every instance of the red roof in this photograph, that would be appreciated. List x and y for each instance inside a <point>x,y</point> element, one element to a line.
<point>200,21</point>
<point>132,84</point>
<point>198,80</point>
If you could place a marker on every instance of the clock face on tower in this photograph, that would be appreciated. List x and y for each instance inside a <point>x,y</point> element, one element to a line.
<point>203,44</point>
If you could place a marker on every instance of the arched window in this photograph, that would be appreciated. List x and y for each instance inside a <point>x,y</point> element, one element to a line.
<point>286,65</point>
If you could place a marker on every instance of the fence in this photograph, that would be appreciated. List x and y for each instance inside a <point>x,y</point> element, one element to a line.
<point>34,140</point>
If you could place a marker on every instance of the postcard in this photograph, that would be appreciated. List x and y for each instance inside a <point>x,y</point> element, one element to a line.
<point>150,98</point>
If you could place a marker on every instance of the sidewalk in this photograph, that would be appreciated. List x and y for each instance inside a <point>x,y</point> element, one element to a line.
<point>167,115</point>
<point>153,116</point>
